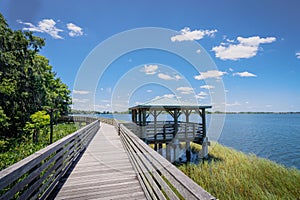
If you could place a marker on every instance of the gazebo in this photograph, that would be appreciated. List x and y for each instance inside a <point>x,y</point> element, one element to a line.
<point>171,132</point>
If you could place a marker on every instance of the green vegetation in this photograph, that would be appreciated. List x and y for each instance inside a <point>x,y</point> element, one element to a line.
<point>39,120</point>
<point>23,147</point>
<point>28,89</point>
<point>230,174</point>
<point>27,83</point>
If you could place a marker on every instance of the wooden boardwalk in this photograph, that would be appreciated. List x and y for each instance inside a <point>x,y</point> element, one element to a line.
<point>103,172</point>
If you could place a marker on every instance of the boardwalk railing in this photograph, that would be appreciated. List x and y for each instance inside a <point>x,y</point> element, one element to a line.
<point>158,177</point>
<point>35,176</point>
<point>85,119</point>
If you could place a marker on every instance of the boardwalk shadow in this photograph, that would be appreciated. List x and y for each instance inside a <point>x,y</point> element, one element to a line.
<point>197,160</point>
<point>65,177</point>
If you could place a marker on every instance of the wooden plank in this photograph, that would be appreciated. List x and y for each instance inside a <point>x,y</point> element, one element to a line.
<point>103,171</point>
<point>91,194</point>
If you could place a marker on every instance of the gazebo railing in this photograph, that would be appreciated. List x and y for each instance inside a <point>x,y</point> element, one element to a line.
<point>165,132</point>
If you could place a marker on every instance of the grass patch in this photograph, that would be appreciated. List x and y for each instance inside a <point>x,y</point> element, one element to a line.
<point>22,148</point>
<point>230,174</point>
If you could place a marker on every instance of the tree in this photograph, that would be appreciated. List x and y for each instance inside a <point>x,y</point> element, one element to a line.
<point>27,82</point>
<point>39,120</point>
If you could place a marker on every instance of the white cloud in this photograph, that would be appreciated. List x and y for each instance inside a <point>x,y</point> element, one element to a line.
<point>74,30</point>
<point>150,69</point>
<point>177,77</point>
<point>168,77</point>
<point>228,40</point>
<point>208,87</point>
<point>105,101</point>
<point>170,96</point>
<point>232,104</point>
<point>187,34</point>
<point>138,103</point>
<point>164,76</point>
<point>80,92</point>
<point>74,100</point>
<point>244,74</point>
<point>255,40</point>
<point>185,90</point>
<point>149,91</point>
<point>210,74</point>
<point>298,55</point>
<point>245,48</point>
<point>97,107</point>
<point>230,69</point>
<point>201,95</point>
<point>44,26</point>
<point>155,98</point>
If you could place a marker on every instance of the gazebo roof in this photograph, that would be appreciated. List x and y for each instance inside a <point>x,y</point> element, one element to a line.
<point>169,103</point>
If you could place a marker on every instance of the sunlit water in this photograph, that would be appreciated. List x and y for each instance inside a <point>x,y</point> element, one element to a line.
<point>272,136</point>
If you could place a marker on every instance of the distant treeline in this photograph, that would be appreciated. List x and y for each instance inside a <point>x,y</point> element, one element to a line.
<point>218,112</point>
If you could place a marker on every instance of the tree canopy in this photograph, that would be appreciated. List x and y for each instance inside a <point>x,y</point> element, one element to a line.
<point>27,82</point>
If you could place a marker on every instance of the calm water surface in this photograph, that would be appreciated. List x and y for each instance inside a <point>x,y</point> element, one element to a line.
<point>272,136</point>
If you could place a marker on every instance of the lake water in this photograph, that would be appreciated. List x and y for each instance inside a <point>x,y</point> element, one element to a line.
<point>272,136</point>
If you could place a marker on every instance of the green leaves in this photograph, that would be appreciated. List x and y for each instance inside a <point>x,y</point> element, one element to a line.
<point>38,120</point>
<point>27,82</point>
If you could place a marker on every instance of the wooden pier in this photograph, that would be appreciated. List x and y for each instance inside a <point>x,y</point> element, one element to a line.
<point>109,162</point>
<point>103,172</point>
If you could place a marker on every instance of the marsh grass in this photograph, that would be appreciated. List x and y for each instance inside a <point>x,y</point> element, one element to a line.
<point>229,174</point>
<point>21,148</point>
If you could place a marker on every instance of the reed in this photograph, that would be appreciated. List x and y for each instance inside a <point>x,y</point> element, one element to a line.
<point>230,174</point>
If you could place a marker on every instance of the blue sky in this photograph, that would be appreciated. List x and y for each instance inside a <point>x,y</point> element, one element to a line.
<point>254,45</point>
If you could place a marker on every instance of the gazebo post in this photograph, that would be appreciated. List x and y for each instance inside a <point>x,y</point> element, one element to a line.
<point>155,129</point>
<point>187,142</point>
<point>205,142</point>
<point>176,142</point>
<point>135,116</point>
<point>144,113</point>
<point>187,114</point>
<point>155,121</point>
<point>140,117</point>
<point>143,124</point>
<point>175,121</point>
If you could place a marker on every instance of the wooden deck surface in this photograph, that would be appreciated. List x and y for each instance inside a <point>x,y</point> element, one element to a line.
<point>103,172</point>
